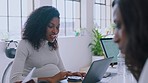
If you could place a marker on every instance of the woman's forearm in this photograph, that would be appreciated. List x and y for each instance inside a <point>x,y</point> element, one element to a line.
<point>49,79</point>
<point>31,81</point>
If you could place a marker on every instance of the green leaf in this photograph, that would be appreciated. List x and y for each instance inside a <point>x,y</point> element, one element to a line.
<point>95,45</point>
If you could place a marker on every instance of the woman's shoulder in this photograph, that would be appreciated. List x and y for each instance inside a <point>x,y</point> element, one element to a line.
<point>24,42</point>
<point>144,74</point>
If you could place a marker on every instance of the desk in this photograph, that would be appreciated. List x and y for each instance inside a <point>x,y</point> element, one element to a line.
<point>114,78</point>
<point>127,78</point>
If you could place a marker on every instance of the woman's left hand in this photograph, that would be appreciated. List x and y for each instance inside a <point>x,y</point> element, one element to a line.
<point>82,74</point>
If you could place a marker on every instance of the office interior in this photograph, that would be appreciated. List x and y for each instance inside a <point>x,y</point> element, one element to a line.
<point>78,19</point>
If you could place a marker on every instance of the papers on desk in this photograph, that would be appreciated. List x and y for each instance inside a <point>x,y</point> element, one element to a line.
<point>105,80</point>
<point>29,76</point>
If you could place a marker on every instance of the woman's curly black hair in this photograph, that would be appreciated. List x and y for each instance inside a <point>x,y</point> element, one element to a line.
<point>135,17</point>
<point>36,25</point>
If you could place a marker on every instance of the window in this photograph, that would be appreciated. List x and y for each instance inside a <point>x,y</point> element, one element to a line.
<point>102,15</point>
<point>12,17</point>
<point>69,16</point>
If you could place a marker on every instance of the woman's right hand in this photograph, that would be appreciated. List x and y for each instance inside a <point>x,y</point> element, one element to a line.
<point>59,76</point>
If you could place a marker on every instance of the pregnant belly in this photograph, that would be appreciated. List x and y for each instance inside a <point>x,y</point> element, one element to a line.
<point>46,71</point>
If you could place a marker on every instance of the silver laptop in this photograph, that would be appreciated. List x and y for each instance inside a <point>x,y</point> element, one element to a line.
<point>97,70</point>
<point>110,48</point>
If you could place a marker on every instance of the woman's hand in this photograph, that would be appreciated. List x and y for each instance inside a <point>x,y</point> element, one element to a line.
<point>82,74</point>
<point>59,76</point>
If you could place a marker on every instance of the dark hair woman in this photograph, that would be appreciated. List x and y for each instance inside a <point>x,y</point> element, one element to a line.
<point>38,23</point>
<point>38,48</point>
<point>131,19</point>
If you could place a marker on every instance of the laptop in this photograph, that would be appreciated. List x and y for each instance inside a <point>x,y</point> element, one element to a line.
<point>95,73</point>
<point>97,70</point>
<point>110,48</point>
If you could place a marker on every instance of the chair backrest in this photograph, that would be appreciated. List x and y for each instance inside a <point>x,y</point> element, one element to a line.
<point>6,74</point>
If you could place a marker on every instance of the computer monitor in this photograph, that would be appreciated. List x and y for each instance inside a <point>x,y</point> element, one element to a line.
<point>110,48</point>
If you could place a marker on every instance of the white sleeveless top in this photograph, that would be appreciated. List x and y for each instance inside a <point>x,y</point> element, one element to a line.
<point>144,75</point>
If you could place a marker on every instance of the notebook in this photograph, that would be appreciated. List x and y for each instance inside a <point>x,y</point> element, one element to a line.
<point>29,76</point>
<point>110,48</point>
<point>97,70</point>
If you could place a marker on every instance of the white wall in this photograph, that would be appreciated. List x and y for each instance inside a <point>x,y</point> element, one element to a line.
<point>74,52</point>
<point>45,2</point>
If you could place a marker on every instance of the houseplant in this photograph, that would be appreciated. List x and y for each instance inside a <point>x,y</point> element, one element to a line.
<point>95,45</point>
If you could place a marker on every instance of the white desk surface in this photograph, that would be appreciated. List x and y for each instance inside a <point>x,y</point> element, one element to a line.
<point>114,78</point>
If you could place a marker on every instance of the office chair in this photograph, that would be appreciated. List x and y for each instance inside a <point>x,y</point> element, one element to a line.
<point>6,74</point>
<point>10,53</point>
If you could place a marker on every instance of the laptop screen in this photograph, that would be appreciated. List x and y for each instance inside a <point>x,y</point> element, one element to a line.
<point>97,70</point>
<point>110,48</point>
